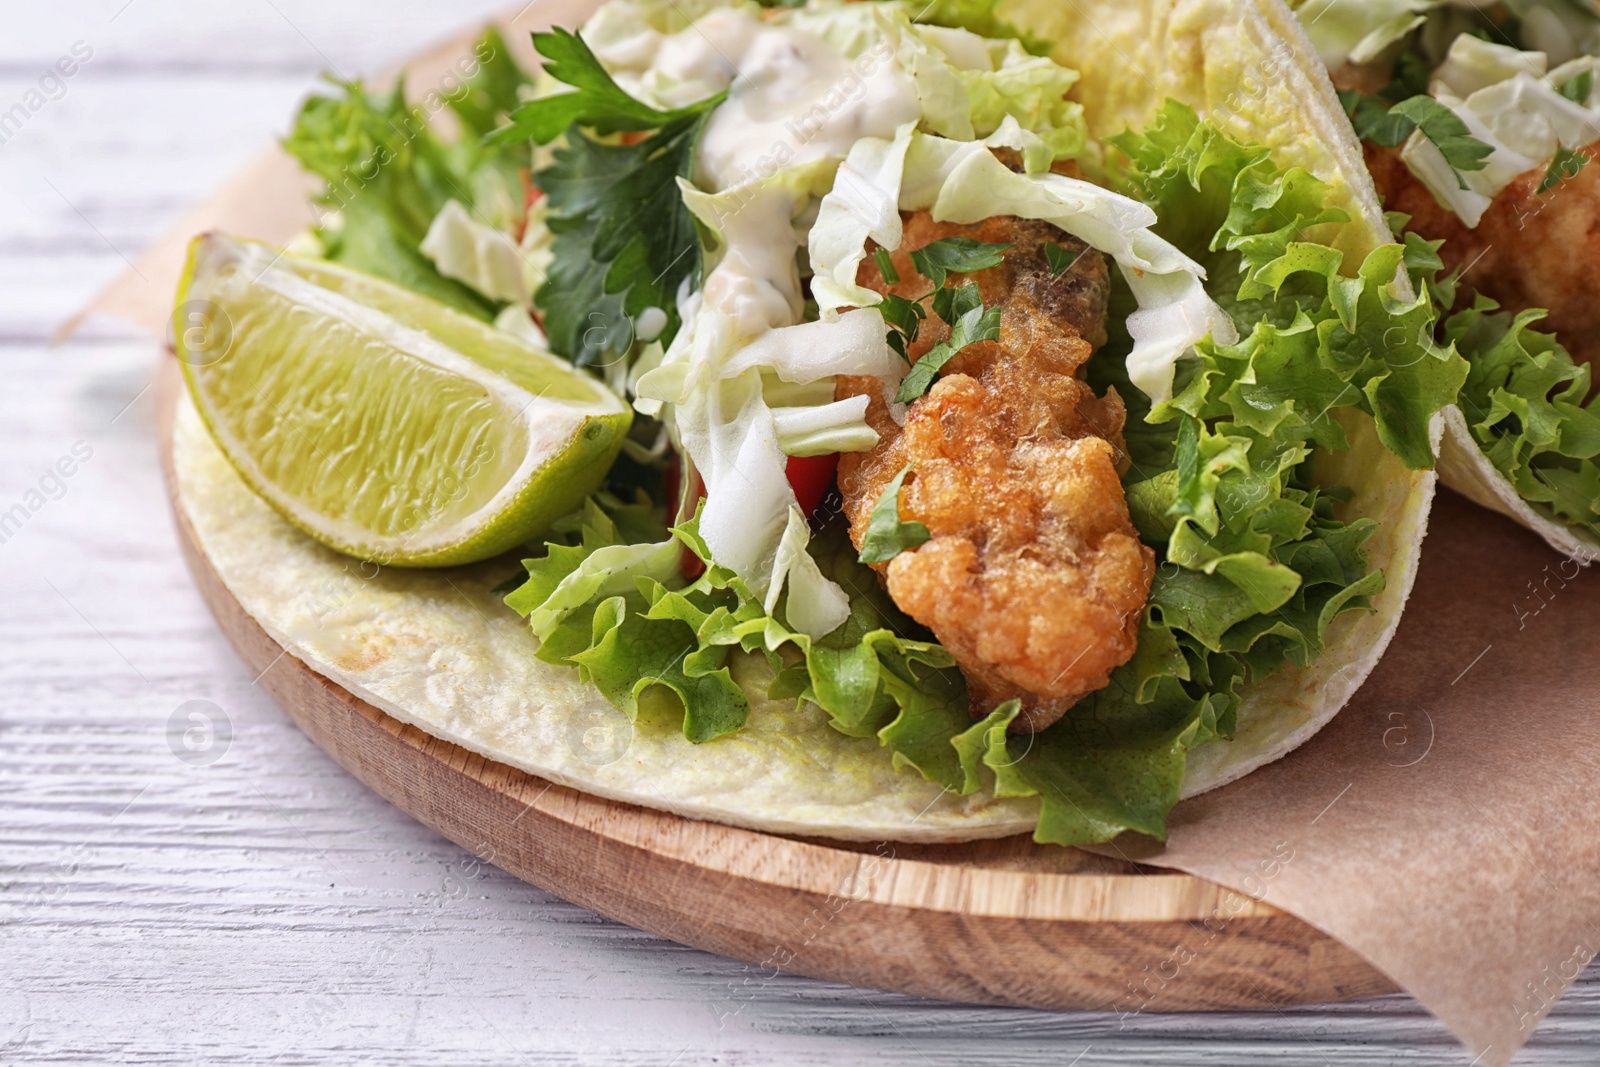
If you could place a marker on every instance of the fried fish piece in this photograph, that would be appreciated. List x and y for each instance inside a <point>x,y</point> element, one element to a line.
<point>1034,578</point>
<point>1528,250</point>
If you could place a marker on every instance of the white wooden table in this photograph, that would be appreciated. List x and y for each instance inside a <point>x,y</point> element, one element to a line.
<point>266,908</point>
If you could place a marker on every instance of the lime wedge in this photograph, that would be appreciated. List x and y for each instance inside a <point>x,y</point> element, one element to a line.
<point>382,423</point>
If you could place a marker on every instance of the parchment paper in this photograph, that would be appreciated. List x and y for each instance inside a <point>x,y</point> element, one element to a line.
<point>1443,826</point>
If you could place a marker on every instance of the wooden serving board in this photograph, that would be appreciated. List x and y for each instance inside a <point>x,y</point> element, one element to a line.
<point>994,922</point>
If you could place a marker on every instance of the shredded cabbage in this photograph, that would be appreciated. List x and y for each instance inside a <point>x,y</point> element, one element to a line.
<point>479,256</point>
<point>1512,102</point>
<point>1363,31</point>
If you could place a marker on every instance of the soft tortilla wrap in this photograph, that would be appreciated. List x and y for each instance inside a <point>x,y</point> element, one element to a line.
<point>440,651</point>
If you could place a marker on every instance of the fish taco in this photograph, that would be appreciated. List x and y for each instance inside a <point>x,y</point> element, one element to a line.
<point>1478,122</point>
<point>921,423</point>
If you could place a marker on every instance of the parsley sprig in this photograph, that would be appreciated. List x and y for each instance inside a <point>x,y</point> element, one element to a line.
<point>624,240</point>
<point>597,102</point>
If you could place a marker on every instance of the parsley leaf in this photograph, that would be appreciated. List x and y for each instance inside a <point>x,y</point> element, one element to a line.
<point>1446,130</point>
<point>956,255</point>
<point>887,536</point>
<point>976,324</point>
<point>596,102</point>
<point>624,241</point>
<point>904,317</point>
<point>1579,88</point>
<point>1566,163</point>
<point>1060,259</point>
<point>950,304</point>
<point>1388,126</point>
<point>1372,120</point>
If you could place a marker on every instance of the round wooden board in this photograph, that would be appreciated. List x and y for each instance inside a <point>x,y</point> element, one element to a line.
<point>993,922</point>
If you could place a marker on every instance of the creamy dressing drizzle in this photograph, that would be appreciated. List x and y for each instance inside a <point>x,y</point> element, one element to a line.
<point>792,100</point>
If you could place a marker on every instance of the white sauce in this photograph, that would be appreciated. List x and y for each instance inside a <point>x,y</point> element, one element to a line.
<point>757,282</point>
<point>792,100</point>
<point>795,100</point>
<point>649,324</point>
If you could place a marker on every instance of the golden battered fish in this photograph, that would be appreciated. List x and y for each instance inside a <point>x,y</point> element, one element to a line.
<point>1034,578</point>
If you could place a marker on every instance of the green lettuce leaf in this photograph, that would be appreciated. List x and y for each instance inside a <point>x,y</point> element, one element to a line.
<point>652,628</point>
<point>1528,405</point>
<point>387,173</point>
<point>1353,341</point>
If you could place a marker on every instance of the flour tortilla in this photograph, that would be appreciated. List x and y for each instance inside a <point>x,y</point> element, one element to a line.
<point>440,651</point>
<point>1464,468</point>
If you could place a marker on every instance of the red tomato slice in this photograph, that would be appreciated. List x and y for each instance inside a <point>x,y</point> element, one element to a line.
<point>811,477</point>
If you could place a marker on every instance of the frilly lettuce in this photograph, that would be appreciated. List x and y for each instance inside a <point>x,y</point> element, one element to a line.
<point>1358,342</point>
<point>388,173</point>
<point>1529,409</point>
<point>629,633</point>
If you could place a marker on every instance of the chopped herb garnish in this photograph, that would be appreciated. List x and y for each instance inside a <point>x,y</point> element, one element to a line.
<point>1566,163</point>
<point>1060,259</point>
<point>1579,88</point>
<point>1388,126</point>
<point>887,536</point>
<point>976,324</point>
<point>961,307</point>
<point>904,316</point>
<point>956,255</point>
<point>950,303</point>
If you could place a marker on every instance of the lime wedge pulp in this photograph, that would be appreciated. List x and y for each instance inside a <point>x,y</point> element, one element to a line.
<point>380,422</point>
